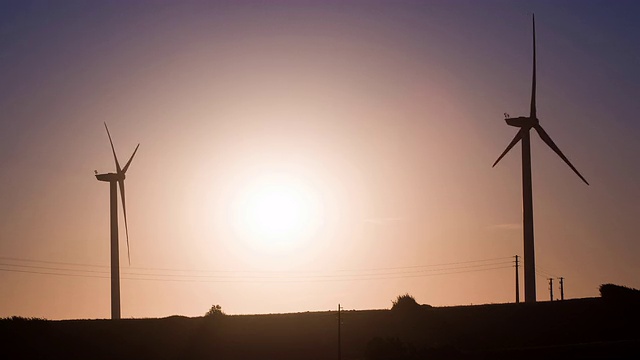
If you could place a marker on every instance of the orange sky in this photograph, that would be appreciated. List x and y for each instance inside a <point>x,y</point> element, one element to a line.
<point>387,117</point>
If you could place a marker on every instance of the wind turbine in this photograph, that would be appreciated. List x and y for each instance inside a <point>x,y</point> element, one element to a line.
<point>526,123</point>
<point>114,180</point>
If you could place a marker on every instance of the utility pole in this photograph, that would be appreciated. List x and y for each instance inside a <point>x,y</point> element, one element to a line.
<point>517,281</point>
<point>339,336</point>
<point>561,288</point>
<point>551,288</point>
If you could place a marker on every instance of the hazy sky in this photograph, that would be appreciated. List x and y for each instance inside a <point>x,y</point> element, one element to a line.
<point>299,154</point>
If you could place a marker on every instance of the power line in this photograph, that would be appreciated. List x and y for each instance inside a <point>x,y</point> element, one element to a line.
<point>432,270</point>
<point>478,267</point>
<point>542,269</point>
<point>445,266</point>
<point>432,265</point>
<point>50,262</point>
<point>50,273</point>
<point>253,280</point>
<point>53,268</point>
<point>543,274</point>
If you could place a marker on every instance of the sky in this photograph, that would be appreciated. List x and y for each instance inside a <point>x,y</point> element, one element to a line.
<point>299,154</point>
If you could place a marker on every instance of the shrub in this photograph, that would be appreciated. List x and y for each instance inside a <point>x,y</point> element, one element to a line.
<point>215,311</point>
<point>22,319</point>
<point>405,302</point>
<point>612,292</point>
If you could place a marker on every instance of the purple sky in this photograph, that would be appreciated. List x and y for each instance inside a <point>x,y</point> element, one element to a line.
<point>387,114</point>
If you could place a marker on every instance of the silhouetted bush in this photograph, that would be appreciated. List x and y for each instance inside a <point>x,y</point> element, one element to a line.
<point>20,318</point>
<point>618,293</point>
<point>405,302</point>
<point>215,311</point>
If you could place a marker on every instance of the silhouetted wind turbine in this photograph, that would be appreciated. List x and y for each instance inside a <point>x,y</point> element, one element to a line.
<point>525,124</point>
<point>115,180</point>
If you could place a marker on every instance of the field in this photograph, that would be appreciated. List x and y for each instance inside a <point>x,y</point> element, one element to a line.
<point>581,328</point>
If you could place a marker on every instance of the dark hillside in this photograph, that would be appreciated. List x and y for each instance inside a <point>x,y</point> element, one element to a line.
<point>582,328</point>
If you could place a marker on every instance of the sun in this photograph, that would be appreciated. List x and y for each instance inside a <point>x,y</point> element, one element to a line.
<point>277,210</point>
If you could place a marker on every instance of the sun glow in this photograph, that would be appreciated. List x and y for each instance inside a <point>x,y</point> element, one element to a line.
<point>277,211</point>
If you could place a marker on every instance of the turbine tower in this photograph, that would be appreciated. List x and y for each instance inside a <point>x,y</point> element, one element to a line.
<point>114,180</point>
<point>526,123</point>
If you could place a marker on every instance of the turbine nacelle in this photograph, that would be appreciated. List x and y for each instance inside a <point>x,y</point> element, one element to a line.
<point>522,122</point>
<point>110,177</point>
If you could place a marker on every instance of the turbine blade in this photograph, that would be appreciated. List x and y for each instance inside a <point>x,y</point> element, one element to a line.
<point>533,82</point>
<point>511,144</point>
<point>124,170</point>
<point>113,149</point>
<point>124,210</point>
<point>547,139</point>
